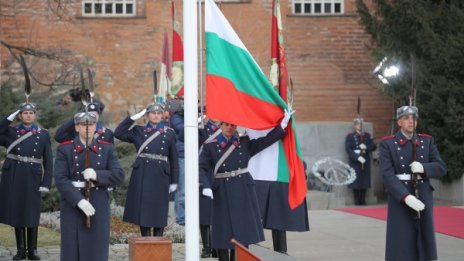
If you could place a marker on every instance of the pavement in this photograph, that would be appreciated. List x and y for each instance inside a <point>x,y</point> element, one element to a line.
<point>334,236</point>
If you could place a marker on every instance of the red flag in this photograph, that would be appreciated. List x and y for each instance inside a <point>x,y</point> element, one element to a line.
<point>177,87</point>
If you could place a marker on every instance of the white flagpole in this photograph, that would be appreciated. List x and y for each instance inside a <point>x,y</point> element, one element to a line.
<point>192,217</point>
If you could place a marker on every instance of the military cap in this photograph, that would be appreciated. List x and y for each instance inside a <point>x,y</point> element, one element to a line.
<point>155,107</point>
<point>85,117</point>
<point>407,110</point>
<point>95,106</point>
<point>358,120</point>
<point>27,106</point>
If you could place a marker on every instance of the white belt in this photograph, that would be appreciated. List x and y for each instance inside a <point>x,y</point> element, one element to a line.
<point>153,156</point>
<point>231,174</point>
<point>406,177</point>
<point>81,184</point>
<point>24,158</point>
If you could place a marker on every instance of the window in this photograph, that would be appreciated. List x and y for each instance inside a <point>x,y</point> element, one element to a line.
<point>108,8</point>
<point>317,7</point>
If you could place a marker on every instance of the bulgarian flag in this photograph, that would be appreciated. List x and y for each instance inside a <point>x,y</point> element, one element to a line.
<point>165,71</point>
<point>177,85</point>
<point>238,92</point>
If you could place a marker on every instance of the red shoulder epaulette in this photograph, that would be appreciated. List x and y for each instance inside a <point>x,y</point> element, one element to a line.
<point>104,142</point>
<point>424,135</point>
<point>388,137</point>
<point>67,142</point>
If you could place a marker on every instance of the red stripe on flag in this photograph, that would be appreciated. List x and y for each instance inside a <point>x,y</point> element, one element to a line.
<point>225,103</point>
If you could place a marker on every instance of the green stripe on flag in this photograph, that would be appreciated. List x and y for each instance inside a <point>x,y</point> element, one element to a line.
<point>282,171</point>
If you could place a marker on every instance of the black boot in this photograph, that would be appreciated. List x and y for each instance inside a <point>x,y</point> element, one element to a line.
<point>206,239</point>
<point>279,240</point>
<point>145,231</point>
<point>362,197</point>
<point>32,233</point>
<point>20,234</point>
<point>223,254</point>
<point>232,255</point>
<point>158,232</point>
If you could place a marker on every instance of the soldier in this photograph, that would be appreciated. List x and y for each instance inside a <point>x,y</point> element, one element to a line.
<point>103,170</point>
<point>410,237</point>
<point>155,171</point>
<point>358,146</point>
<point>235,204</point>
<point>28,150</point>
<point>67,131</point>
<point>205,135</point>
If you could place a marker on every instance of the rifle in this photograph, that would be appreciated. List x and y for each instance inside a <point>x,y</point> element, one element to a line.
<point>84,100</point>
<point>412,102</point>
<point>361,134</point>
<point>27,84</point>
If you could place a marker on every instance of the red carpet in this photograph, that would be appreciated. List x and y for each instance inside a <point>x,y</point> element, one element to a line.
<point>448,220</point>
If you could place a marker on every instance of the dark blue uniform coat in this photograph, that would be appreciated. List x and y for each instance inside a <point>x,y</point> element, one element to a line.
<point>147,200</point>
<point>20,181</point>
<point>235,204</point>
<point>395,157</point>
<point>67,132</point>
<point>77,241</point>
<point>363,174</point>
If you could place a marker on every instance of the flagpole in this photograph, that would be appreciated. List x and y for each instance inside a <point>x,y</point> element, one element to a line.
<point>192,243</point>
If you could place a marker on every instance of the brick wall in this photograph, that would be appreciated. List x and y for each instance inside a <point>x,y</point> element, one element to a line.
<point>328,59</point>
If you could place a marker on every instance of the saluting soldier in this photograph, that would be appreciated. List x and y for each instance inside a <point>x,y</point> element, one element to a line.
<point>358,146</point>
<point>155,171</point>
<point>103,170</point>
<point>67,130</point>
<point>27,171</point>
<point>235,203</point>
<point>410,237</point>
<point>205,135</point>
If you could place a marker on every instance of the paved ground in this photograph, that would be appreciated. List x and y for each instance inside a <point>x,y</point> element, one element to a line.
<point>334,236</point>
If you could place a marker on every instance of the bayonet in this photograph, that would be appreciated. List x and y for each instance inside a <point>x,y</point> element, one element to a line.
<point>27,83</point>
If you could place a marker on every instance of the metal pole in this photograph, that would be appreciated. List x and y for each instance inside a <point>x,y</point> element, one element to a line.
<point>192,242</point>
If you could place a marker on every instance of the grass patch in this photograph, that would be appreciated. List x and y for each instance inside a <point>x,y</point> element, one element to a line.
<point>47,237</point>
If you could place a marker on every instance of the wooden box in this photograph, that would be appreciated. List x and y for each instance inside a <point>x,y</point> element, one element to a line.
<point>150,249</point>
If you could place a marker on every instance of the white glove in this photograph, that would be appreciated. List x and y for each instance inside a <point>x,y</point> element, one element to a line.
<point>90,174</point>
<point>361,159</point>
<point>138,115</point>
<point>86,207</point>
<point>172,188</point>
<point>287,116</point>
<point>362,146</point>
<point>207,192</point>
<point>357,151</point>
<point>13,115</point>
<point>317,174</point>
<point>416,167</point>
<point>414,203</point>
<point>44,189</point>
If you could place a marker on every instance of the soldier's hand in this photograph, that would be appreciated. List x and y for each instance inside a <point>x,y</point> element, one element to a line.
<point>86,207</point>
<point>287,115</point>
<point>13,115</point>
<point>361,159</point>
<point>90,174</point>
<point>362,146</point>
<point>44,189</point>
<point>414,203</point>
<point>172,188</point>
<point>138,115</point>
<point>207,193</point>
<point>417,167</point>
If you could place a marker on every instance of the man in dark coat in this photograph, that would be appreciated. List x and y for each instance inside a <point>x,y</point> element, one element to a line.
<point>155,171</point>
<point>235,203</point>
<point>28,151</point>
<point>410,228</point>
<point>103,170</point>
<point>67,130</point>
<point>358,146</point>
<point>207,134</point>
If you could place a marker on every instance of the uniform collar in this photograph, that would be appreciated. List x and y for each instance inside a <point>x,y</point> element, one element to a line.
<point>402,140</point>
<point>210,125</point>
<point>23,129</point>
<point>79,147</point>
<point>159,127</point>
<point>99,129</point>
<point>223,141</point>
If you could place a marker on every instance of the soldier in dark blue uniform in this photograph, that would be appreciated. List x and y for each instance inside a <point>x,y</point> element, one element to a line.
<point>155,171</point>
<point>28,150</point>
<point>235,203</point>
<point>207,134</point>
<point>67,131</point>
<point>358,146</point>
<point>103,170</point>
<point>410,238</point>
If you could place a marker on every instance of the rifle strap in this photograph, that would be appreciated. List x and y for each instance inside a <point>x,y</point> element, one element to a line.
<point>16,142</point>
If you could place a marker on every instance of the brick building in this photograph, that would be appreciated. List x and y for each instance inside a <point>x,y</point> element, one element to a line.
<point>327,55</point>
